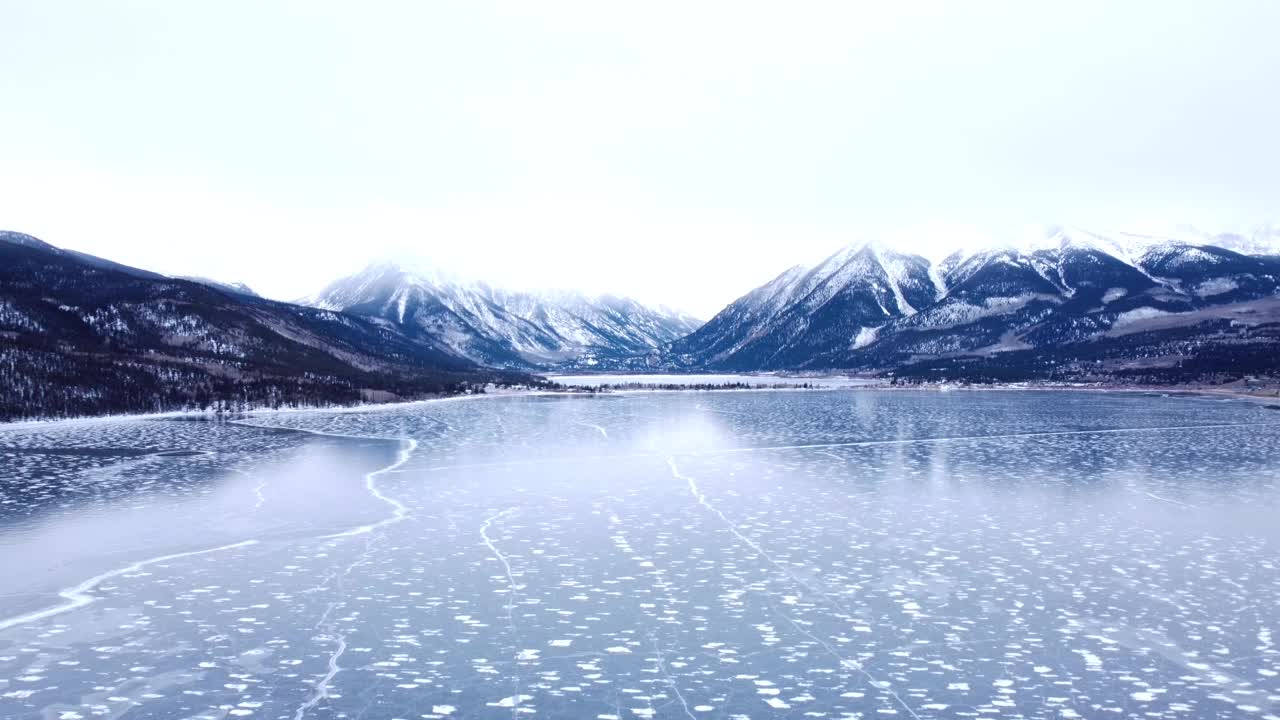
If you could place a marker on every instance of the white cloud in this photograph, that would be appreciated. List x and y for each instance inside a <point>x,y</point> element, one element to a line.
<point>678,153</point>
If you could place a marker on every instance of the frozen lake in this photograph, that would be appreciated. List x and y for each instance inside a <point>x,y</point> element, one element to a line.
<point>833,554</point>
<point>826,381</point>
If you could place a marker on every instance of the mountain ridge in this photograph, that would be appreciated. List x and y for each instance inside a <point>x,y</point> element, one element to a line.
<point>532,330</point>
<point>80,335</point>
<point>1011,309</point>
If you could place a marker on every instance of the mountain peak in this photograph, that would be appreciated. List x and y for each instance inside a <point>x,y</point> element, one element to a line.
<point>25,240</point>
<point>871,305</point>
<point>416,271</point>
<point>498,326</point>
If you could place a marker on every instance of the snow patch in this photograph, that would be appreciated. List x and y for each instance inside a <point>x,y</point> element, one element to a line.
<point>1216,286</point>
<point>1137,315</point>
<point>1113,295</point>
<point>865,337</point>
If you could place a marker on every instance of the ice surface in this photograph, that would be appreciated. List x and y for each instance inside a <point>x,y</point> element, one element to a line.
<point>595,380</point>
<point>838,554</point>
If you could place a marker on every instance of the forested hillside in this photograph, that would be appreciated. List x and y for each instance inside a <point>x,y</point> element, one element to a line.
<point>85,336</point>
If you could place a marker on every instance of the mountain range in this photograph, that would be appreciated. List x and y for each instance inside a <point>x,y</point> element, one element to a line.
<point>1071,305</point>
<point>81,334</point>
<point>504,328</point>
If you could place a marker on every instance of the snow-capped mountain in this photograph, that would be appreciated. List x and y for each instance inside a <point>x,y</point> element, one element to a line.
<point>504,328</point>
<point>1054,299</point>
<point>805,311</point>
<point>1261,240</point>
<point>84,335</point>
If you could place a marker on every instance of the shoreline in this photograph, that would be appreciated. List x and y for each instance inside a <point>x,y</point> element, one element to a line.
<point>1182,391</point>
<point>169,414</point>
<point>1185,391</point>
<point>333,409</point>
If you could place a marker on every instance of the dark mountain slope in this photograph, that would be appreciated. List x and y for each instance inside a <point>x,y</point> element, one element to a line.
<point>231,287</point>
<point>84,336</point>
<point>802,313</point>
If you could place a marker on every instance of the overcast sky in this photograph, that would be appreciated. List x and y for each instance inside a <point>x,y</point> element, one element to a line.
<point>680,153</point>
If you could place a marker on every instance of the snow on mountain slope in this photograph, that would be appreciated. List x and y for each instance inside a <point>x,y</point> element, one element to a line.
<point>1261,240</point>
<point>844,297</point>
<point>1258,240</point>
<point>501,327</point>
<point>867,306</point>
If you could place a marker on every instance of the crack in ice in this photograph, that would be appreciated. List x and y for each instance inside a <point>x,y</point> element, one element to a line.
<point>322,686</point>
<point>260,497</point>
<point>399,511</point>
<point>851,664</point>
<point>79,595</point>
<point>511,602</point>
<point>844,662</point>
<point>1171,501</point>
<point>660,656</point>
<point>662,584</point>
<point>603,433</point>
<point>332,633</point>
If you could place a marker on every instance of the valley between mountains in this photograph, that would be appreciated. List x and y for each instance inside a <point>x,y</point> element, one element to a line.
<point>82,335</point>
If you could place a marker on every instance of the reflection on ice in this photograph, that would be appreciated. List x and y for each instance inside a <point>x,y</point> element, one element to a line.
<point>826,554</point>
